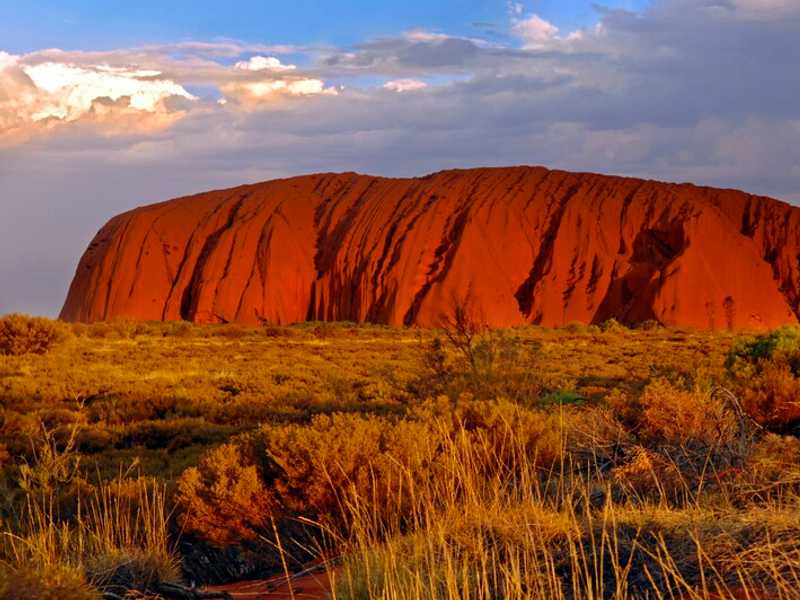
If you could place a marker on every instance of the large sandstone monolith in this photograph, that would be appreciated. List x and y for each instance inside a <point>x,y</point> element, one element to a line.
<point>519,245</point>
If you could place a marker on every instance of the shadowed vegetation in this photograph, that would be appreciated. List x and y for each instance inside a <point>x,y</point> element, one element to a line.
<point>582,462</point>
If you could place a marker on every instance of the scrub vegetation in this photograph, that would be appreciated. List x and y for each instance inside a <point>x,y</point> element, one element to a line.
<point>581,462</point>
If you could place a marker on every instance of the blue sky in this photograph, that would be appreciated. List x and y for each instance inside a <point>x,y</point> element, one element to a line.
<point>30,25</point>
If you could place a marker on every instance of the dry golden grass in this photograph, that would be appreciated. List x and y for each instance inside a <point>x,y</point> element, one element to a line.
<point>581,463</point>
<point>117,541</point>
<point>569,533</point>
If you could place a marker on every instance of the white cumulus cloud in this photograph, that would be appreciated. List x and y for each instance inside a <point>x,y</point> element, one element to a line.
<point>35,97</point>
<point>405,85</point>
<point>7,60</point>
<point>297,87</point>
<point>69,91</point>
<point>263,63</point>
<point>420,35</point>
<point>252,94</point>
<point>535,31</point>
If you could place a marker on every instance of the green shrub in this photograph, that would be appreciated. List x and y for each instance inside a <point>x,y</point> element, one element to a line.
<point>561,398</point>
<point>749,354</point>
<point>765,371</point>
<point>22,334</point>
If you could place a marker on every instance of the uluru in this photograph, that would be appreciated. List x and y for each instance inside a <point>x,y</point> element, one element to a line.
<point>520,245</point>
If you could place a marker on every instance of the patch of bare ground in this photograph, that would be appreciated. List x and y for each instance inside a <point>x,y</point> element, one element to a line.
<point>309,586</point>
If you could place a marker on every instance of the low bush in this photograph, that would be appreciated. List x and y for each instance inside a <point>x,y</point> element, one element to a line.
<point>683,439</point>
<point>115,543</point>
<point>172,433</point>
<point>224,499</point>
<point>772,397</point>
<point>275,331</point>
<point>100,331</point>
<point>749,354</point>
<point>686,418</point>
<point>485,365</point>
<point>765,371</point>
<point>773,470</point>
<point>575,327</point>
<point>493,453</point>
<point>91,439</point>
<point>612,326</point>
<point>317,470</point>
<point>22,334</point>
<point>648,325</point>
<point>231,331</point>
<point>505,431</point>
<point>178,329</point>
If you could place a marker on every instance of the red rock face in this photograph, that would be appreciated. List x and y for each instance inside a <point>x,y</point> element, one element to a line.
<point>516,245</point>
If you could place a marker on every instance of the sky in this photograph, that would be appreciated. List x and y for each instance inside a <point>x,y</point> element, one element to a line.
<point>107,106</point>
<point>70,24</point>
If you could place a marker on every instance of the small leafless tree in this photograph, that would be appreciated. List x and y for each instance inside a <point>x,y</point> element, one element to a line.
<point>463,327</point>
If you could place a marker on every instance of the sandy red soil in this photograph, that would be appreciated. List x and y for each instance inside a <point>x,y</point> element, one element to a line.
<point>314,586</point>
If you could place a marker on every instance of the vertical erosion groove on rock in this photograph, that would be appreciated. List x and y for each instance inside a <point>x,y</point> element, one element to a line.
<point>519,245</point>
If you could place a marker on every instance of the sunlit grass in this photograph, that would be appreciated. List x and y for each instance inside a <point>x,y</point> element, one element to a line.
<point>563,535</point>
<point>581,463</point>
<point>117,540</point>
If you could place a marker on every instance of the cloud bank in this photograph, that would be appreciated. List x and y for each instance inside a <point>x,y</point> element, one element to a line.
<point>698,90</point>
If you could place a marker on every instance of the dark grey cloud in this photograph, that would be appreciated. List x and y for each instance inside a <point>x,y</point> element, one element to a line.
<point>689,90</point>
